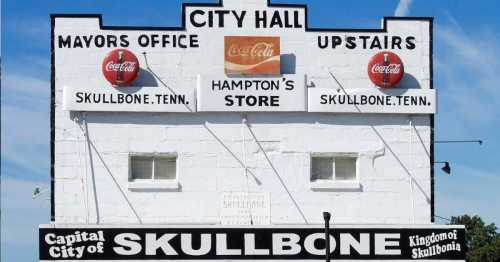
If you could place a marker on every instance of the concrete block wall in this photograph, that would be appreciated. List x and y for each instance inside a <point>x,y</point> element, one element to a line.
<point>210,146</point>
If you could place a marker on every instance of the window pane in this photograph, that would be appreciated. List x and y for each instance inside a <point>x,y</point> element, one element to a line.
<point>345,168</point>
<point>142,167</point>
<point>322,168</point>
<point>165,168</point>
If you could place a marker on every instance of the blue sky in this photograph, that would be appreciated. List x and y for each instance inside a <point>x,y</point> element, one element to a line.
<point>467,75</point>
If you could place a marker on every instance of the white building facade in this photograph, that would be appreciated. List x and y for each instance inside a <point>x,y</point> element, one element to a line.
<point>188,145</point>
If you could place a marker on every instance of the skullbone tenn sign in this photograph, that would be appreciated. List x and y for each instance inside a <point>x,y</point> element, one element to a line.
<point>226,139</point>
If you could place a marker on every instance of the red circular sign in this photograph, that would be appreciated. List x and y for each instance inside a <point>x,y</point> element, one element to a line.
<point>386,69</point>
<point>120,67</point>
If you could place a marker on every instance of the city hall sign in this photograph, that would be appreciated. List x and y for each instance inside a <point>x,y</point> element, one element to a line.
<point>258,57</point>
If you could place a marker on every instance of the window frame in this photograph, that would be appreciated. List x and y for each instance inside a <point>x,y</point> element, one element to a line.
<point>334,183</point>
<point>152,183</point>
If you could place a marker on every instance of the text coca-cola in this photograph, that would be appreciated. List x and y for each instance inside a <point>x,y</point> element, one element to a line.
<point>123,67</point>
<point>257,50</point>
<point>386,69</point>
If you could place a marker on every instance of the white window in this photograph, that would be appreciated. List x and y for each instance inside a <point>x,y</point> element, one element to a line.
<point>331,171</point>
<point>151,171</point>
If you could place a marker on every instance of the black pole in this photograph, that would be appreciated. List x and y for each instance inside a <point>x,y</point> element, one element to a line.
<point>480,142</point>
<point>327,217</point>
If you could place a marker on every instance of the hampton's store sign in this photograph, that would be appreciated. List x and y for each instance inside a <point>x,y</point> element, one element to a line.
<point>220,93</point>
<point>265,243</point>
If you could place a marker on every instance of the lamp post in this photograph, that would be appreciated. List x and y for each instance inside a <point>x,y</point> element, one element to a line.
<point>446,168</point>
<point>326,217</point>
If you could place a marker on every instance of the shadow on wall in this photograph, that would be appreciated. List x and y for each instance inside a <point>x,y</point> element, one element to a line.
<point>288,63</point>
<point>146,79</point>
<point>409,82</point>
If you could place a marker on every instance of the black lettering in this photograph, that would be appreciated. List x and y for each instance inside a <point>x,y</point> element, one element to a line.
<point>365,39</point>
<point>296,18</point>
<point>87,40</point>
<point>423,101</point>
<point>287,20</point>
<point>276,20</point>
<point>193,20</point>
<point>181,44</point>
<point>100,41</point>
<point>143,40</point>
<point>410,43</point>
<point>261,21</point>
<point>124,41</point>
<point>376,43</point>
<point>221,14</point>
<point>239,18</point>
<point>215,84</point>
<point>396,42</point>
<point>321,44</point>
<point>210,19</point>
<point>251,100</point>
<point>87,98</point>
<point>351,42</point>
<point>229,100</point>
<point>79,97</point>
<point>336,41</point>
<point>290,85</point>
<point>194,41</point>
<point>77,42</point>
<point>237,84</point>
<point>111,41</point>
<point>275,101</point>
<point>323,99</point>
<point>64,42</point>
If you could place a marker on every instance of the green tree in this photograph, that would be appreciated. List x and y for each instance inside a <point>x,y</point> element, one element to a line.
<point>483,241</point>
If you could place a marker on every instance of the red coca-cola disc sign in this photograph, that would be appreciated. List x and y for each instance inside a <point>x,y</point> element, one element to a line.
<point>386,69</point>
<point>120,67</point>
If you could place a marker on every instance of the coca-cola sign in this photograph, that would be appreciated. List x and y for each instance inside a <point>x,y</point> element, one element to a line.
<point>252,55</point>
<point>386,69</point>
<point>120,67</point>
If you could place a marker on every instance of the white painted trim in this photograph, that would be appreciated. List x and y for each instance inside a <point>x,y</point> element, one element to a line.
<point>347,226</point>
<point>332,185</point>
<point>153,185</point>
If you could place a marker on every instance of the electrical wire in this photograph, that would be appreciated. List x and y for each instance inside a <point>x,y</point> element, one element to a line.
<point>410,177</point>
<point>84,178</point>
<point>276,172</point>
<point>248,200</point>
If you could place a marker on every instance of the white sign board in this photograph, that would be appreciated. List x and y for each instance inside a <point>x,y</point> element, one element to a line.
<point>241,208</point>
<point>372,100</point>
<point>219,93</point>
<point>128,99</point>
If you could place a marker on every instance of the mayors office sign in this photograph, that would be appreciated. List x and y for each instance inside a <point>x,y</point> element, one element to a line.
<point>230,57</point>
<point>99,243</point>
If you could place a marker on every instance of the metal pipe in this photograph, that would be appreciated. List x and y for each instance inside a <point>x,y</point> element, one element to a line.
<point>480,142</point>
<point>327,217</point>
